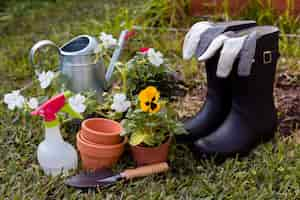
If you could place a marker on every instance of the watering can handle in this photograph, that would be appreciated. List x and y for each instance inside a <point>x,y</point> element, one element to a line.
<point>38,46</point>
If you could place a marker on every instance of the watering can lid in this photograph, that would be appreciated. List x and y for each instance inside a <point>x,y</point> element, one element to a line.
<point>80,45</point>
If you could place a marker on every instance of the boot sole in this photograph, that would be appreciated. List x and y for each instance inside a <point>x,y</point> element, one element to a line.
<point>219,158</point>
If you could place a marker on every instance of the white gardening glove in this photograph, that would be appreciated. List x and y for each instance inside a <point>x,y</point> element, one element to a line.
<point>229,53</point>
<point>192,39</point>
<point>214,46</point>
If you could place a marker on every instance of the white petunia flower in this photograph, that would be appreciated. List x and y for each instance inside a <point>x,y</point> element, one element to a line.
<point>45,78</point>
<point>14,100</point>
<point>108,40</point>
<point>77,103</point>
<point>120,103</point>
<point>156,58</point>
<point>33,103</point>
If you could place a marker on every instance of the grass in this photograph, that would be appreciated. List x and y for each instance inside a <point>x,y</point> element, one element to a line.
<point>272,171</point>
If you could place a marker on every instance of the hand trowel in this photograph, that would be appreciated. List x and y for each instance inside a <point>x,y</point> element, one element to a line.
<point>106,177</point>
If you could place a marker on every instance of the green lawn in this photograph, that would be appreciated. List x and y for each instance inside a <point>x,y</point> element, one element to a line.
<point>272,171</point>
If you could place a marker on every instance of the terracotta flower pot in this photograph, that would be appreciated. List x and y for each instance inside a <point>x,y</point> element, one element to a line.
<point>101,131</point>
<point>150,155</point>
<point>98,156</point>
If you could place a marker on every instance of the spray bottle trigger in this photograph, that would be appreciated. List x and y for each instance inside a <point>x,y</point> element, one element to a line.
<point>68,109</point>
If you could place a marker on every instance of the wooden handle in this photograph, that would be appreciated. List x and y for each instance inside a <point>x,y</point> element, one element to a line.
<point>145,170</point>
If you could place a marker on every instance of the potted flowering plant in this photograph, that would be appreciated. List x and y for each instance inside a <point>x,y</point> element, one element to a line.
<point>150,127</point>
<point>149,67</point>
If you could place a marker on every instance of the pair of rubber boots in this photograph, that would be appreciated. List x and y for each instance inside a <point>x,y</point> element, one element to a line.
<point>239,112</point>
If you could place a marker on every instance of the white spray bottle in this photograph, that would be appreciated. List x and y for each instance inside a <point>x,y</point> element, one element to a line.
<point>54,155</point>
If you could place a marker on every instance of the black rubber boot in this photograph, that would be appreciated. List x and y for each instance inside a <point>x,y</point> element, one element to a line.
<point>218,98</point>
<point>252,118</point>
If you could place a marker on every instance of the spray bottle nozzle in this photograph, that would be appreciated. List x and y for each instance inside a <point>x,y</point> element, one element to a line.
<point>54,105</point>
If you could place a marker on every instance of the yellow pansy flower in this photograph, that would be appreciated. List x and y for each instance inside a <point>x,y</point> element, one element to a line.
<point>149,100</point>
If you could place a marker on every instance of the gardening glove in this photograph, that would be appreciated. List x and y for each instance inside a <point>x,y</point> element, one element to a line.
<point>215,45</point>
<point>229,53</point>
<point>192,39</point>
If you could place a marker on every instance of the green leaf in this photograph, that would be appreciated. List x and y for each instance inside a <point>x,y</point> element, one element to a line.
<point>137,138</point>
<point>149,140</point>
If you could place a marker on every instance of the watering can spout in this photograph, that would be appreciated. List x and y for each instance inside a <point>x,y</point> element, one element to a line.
<point>115,57</point>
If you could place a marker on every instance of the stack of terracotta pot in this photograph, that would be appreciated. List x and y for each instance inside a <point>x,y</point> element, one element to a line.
<point>99,143</point>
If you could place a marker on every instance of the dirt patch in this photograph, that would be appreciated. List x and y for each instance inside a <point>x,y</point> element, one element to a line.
<point>191,103</point>
<point>287,99</point>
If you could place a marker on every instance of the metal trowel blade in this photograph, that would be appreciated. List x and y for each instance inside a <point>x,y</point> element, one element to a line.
<point>88,179</point>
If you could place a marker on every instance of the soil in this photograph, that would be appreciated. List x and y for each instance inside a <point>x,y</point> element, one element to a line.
<point>287,98</point>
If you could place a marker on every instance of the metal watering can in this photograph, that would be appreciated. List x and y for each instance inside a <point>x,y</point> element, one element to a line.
<point>80,64</point>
